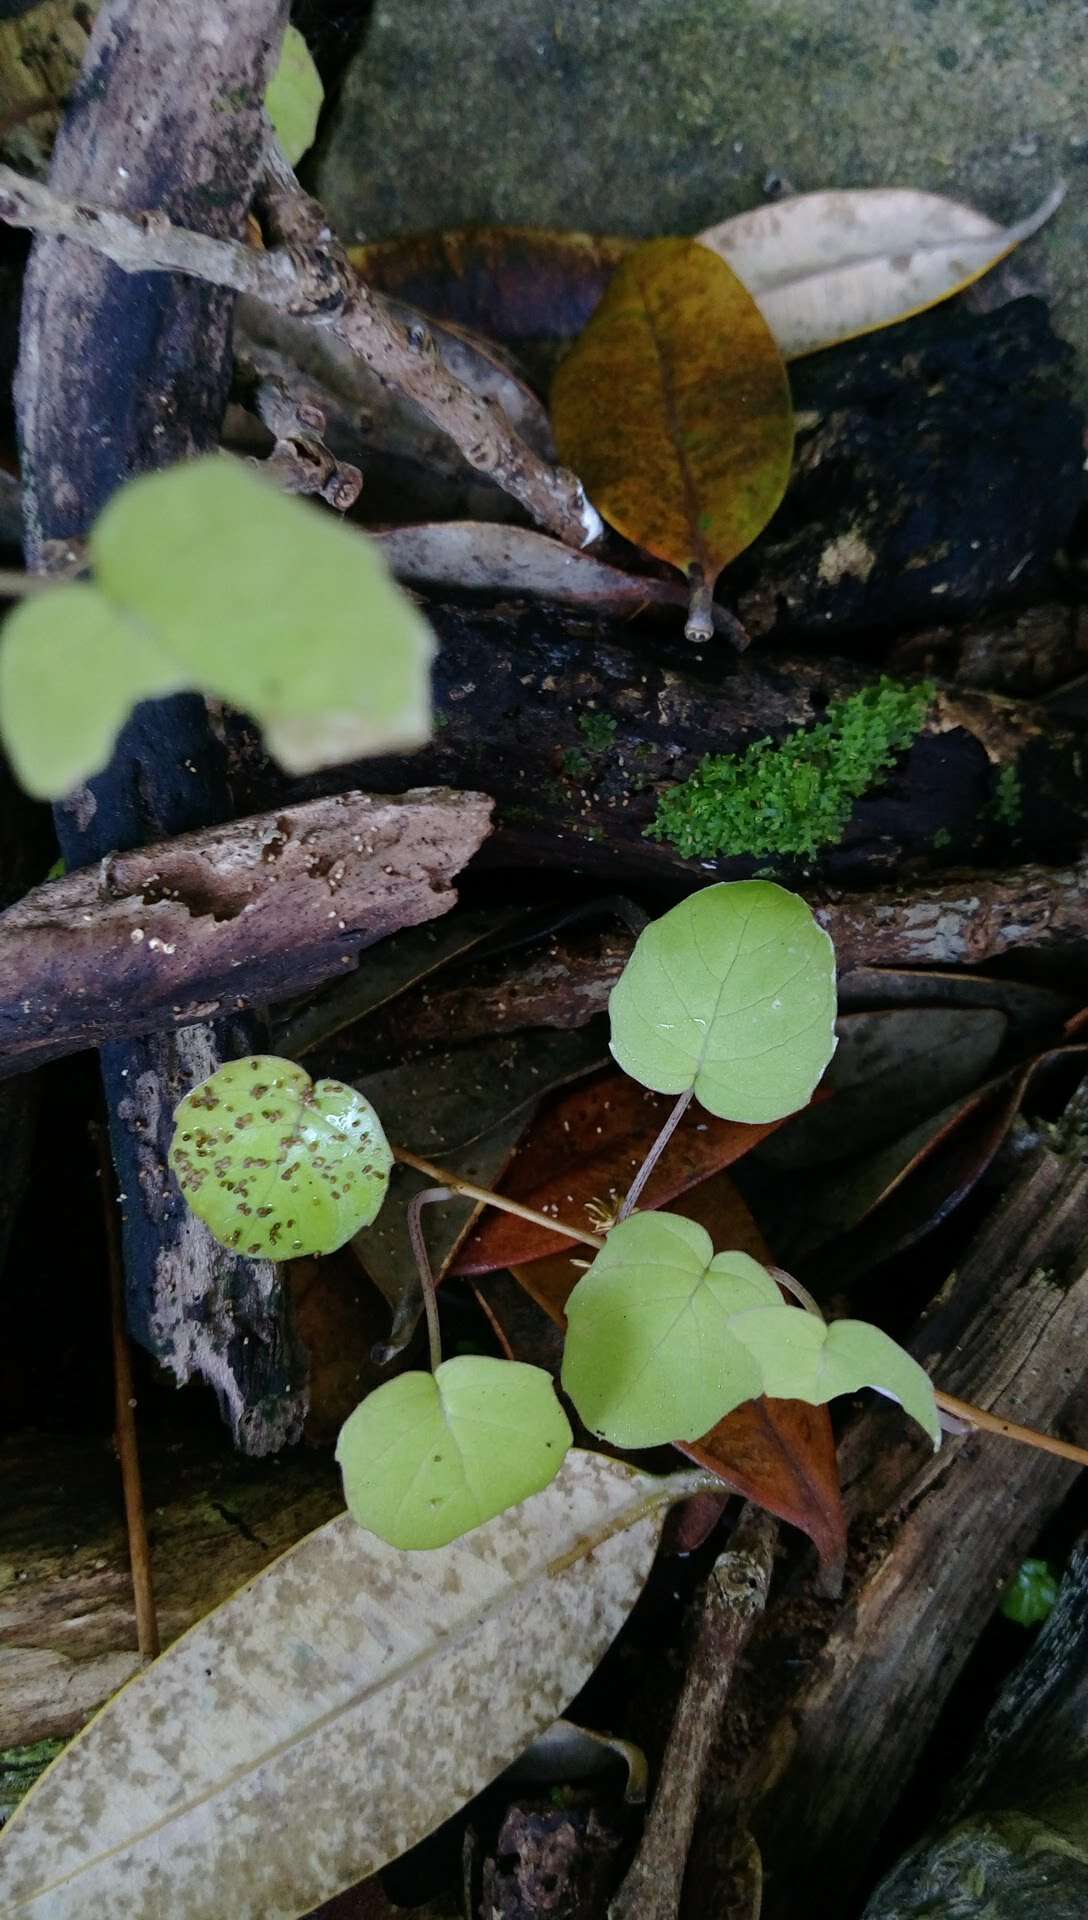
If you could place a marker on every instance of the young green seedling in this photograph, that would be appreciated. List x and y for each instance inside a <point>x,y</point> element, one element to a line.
<point>728,999</point>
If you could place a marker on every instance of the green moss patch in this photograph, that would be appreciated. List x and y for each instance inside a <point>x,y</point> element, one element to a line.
<point>797,796</point>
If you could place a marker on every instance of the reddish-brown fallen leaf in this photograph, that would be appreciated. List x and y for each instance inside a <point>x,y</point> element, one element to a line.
<point>779,1453</point>
<point>580,1157</point>
<point>511,283</point>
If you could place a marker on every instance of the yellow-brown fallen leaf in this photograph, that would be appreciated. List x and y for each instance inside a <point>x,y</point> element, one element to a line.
<point>827,266</point>
<point>674,410</point>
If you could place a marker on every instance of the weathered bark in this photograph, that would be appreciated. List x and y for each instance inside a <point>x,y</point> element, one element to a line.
<point>224,919</point>
<point>1034,1743</point>
<point>965,921</point>
<point>67,1624</point>
<point>833,1720</point>
<point>167,115</point>
<point>517,690</point>
<point>1014,1826</point>
<point>731,1603</point>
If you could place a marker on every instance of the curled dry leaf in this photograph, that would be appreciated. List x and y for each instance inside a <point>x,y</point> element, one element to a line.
<point>515,284</point>
<point>333,1712</point>
<point>674,410</point>
<point>827,266</point>
<point>475,555</point>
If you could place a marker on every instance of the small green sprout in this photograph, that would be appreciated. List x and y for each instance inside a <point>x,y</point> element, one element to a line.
<point>729,999</point>
<point>598,730</point>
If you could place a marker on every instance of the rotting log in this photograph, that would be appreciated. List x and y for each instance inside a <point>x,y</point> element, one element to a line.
<point>170,935</point>
<point>833,1716</point>
<point>575,725</point>
<point>167,115</point>
<point>1011,1833</point>
<point>67,1623</point>
<point>966,920</point>
<point>221,920</point>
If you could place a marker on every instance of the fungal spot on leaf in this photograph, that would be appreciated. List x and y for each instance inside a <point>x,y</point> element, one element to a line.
<point>310,1140</point>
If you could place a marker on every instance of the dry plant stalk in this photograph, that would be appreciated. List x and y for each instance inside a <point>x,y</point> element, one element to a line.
<point>308,274</point>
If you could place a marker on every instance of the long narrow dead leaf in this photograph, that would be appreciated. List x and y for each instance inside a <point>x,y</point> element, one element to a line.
<point>674,410</point>
<point>827,266</point>
<point>478,556</point>
<point>332,1713</point>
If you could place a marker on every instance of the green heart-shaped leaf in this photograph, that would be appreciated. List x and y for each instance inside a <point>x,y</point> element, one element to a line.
<point>732,993</point>
<point>427,1457</point>
<point>802,1359</point>
<point>271,604</point>
<point>276,1164</point>
<point>650,1356</point>
<point>295,93</point>
<point>71,670</point>
<point>207,578</point>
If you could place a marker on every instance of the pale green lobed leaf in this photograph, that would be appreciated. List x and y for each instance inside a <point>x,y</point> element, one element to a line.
<point>277,1165</point>
<point>294,97</point>
<point>270,604</point>
<point>71,670</point>
<point>208,579</point>
<point>802,1359</point>
<point>332,1713</point>
<point>731,993</point>
<point>650,1357</point>
<point>428,1457</point>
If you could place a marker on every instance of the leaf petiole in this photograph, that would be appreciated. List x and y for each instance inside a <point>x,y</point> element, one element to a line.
<point>655,1153</point>
<point>414,1224</point>
<point>976,1417</point>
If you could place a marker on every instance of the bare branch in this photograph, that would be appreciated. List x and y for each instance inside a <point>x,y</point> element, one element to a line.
<point>310,276</point>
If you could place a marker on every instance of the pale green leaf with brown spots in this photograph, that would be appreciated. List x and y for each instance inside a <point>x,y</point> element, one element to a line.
<point>276,1164</point>
<point>429,1456</point>
<point>333,1712</point>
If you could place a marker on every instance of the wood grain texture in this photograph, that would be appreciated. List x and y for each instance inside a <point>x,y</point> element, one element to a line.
<point>858,1687</point>
<point>221,919</point>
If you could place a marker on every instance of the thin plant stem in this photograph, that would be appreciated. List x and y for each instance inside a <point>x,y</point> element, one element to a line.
<point>128,1456</point>
<point>505,1205</point>
<point>993,1423</point>
<point>959,1409</point>
<point>798,1291</point>
<point>655,1153</point>
<point>426,1278</point>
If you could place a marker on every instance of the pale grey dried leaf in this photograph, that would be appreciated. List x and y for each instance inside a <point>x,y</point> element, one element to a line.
<point>332,1713</point>
<point>477,555</point>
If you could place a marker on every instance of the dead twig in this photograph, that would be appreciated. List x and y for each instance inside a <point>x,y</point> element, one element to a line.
<point>300,462</point>
<point>128,1453</point>
<point>732,1601</point>
<point>308,274</point>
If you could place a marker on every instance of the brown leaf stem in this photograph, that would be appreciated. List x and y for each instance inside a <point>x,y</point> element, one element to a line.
<point>960,1409</point>
<point>128,1455</point>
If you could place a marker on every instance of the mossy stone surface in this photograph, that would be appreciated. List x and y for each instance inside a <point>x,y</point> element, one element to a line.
<point>657,116</point>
